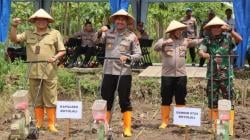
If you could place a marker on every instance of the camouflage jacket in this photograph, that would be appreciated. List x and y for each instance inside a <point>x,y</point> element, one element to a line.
<point>222,45</point>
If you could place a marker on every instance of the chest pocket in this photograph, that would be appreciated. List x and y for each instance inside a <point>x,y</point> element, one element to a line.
<point>168,51</point>
<point>84,37</point>
<point>49,44</point>
<point>87,37</point>
<point>182,51</point>
<point>125,46</point>
<point>91,36</point>
<point>110,43</point>
<point>32,43</point>
<point>225,45</point>
<point>190,23</point>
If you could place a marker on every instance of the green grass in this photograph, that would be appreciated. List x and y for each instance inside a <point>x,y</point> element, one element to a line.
<point>12,77</point>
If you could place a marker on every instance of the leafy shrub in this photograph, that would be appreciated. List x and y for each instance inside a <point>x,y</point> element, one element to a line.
<point>66,82</point>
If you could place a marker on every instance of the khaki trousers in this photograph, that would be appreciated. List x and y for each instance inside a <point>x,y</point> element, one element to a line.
<point>47,96</point>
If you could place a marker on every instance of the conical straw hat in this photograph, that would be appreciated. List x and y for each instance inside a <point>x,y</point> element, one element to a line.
<point>175,25</point>
<point>122,12</point>
<point>41,14</point>
<point>215,21</point>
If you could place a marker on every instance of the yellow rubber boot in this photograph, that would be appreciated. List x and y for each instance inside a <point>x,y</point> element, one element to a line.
<point>108,115</point>
<point>182,126</point>
<point>51,112</point>
<point>127,124</point>
<point>165,111</point>
<point>231,123</point>
<point>39,114</point>
<point>213,116</point>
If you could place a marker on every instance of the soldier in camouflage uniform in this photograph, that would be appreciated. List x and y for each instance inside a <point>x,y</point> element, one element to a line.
<point>216,48</point>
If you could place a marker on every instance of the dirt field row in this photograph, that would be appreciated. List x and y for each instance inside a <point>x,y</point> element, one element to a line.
<point>145,121</point>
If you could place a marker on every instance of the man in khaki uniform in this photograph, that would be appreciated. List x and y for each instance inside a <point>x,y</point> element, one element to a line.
<point>191,31</point>
<point>123,44</point>
<point>174,77</point>
<point>42,44</point>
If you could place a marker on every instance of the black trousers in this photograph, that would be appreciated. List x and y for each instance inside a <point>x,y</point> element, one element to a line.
<point>87,51</point>
<point>108,91</point>
<point>173,86</point>
<point>192,54</point>
<point>202,62</point>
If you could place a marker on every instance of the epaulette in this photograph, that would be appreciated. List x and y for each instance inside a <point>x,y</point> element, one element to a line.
<point>127,33</point>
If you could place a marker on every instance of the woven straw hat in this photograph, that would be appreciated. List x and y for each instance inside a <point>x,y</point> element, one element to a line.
<point>122,12</point>
<point>174,25</point>
<point>41,13</point>
<point>215,21</point>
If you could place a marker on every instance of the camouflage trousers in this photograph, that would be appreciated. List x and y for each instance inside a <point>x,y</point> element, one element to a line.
<point>222,89</point>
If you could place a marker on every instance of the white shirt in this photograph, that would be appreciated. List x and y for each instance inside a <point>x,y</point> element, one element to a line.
<point>230,22</point>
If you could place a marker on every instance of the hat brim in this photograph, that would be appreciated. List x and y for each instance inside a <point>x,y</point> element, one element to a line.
<point>210,26</point>
<point>130,19</point>
<point>180,28</point>
<point>33,19</point>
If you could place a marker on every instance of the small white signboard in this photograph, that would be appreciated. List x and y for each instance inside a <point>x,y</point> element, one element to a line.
<point>224,104</point>
<point>69,110</point>
<point>187,116</point>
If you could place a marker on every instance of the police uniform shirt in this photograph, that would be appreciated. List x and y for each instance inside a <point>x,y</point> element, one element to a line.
<point>191,23</point>
<point>87,38</point>
<point>117,44</point>
<point>173,55</point>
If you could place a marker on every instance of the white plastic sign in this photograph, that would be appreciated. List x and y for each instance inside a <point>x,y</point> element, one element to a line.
<point>224,104</point>
<point>187,116</point>
<point>69,110</point>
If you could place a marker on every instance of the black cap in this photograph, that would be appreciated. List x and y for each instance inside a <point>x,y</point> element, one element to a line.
<point>188,10</point>
<point>211,12</point>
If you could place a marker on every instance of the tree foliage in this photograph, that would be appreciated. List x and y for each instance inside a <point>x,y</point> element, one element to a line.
<point>160,14</point>
<point>74,15</point>
<point>22,10</point>
<point>70,16</point>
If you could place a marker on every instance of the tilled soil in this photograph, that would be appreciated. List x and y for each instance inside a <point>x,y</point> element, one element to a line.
<point>145,122</point>
<point>146,119</point>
